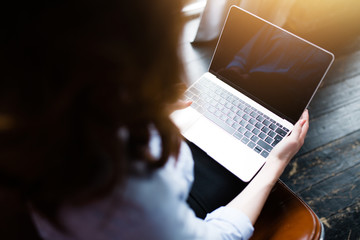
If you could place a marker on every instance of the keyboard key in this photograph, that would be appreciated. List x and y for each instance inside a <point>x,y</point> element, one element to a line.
<point>252,121</point>
<point>233,108</point>
<point>265,129</point>
<point>254,139</point>
<point>237,119</point>
<point>235,102</point>
<point>269,140</point>
<point>254,114</point>
<point>260,118</point>
<point>241,104</point>
<point>212,109</point>
<point>264,145</point>
<point>258,149</point>
<point>266,122</point>
<point>230,98</point>
<point>247,110</point>
<point>228,105</point>
<point>272,134</point>
<point>249,127</point>
<point>278,138</point>
<point>241,130</point>
<point>240,113</point>
<point>231,114</point>
<point>255,131</point>
<point>248,134</point>
<point>218,122</point>
<point>235,125</point>
<point>245,140</point>
<point>280,132</point>
<point>238,135</point>
<point>225,111</point>
<point>251,144</point>
<point>274,143</point>
<point>195,105</point>
<point>265,154</point>
<point>229,122</point>
<point>246,117</point>
<point>262,135</point>
<point>243,122</point>
<point>259,125</point>
<point>272,126</point>
<point>207,99</point>
<point>224,95</point>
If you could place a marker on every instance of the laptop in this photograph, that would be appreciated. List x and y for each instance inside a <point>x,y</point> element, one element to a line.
<point>260,80</point>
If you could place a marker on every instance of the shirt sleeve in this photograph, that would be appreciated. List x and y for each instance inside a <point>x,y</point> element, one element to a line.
<point>152,207</point>
<point>231,221</point>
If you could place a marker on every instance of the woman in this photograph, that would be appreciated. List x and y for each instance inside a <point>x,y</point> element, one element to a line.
<point>86,93</point>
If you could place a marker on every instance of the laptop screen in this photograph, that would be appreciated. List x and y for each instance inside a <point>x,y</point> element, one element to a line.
<point>268,64</point>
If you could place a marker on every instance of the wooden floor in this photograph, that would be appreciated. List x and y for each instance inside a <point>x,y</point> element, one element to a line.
<point>326,171</point>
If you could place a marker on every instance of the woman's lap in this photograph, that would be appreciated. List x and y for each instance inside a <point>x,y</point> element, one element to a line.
<point>214,186</point>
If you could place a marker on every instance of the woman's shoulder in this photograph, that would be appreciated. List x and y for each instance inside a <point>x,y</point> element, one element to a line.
<point>144,198</point>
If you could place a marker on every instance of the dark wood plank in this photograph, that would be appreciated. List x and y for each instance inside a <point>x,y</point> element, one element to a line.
<point>335,96</point>
<point>328,179</point>
<point>335,193</point>
<point>344,224</point>
<point>337,202</point>
<point>332,126</point>
<point>306,171</point>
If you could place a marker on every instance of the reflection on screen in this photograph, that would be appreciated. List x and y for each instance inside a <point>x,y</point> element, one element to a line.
<point>269,64</point>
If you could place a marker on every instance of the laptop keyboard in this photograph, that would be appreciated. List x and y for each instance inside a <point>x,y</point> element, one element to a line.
<point>250,126</point>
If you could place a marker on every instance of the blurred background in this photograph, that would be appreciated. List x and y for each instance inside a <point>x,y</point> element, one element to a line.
<point>331,24</point>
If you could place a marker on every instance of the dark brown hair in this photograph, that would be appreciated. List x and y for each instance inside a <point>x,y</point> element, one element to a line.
<point>75,75</point>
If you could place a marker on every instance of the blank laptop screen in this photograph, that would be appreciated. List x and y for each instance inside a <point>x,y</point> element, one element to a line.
<point>270,65</point>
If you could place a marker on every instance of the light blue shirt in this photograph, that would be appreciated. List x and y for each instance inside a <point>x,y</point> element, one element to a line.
<point>149,206</point>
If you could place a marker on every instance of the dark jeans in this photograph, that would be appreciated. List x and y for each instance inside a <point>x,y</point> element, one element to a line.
<point>214,186</point>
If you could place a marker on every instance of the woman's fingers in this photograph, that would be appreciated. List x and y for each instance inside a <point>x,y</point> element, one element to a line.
<point>287,148</point>
<point>305,127</point>
<point>180,104</point>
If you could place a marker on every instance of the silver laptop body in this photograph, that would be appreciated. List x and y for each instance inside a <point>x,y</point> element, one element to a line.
<point>260,80</point>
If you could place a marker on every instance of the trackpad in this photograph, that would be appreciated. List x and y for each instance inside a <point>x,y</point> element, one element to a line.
<point>225,149</point>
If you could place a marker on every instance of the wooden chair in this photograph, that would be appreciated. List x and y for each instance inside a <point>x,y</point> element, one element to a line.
<point>286,216</point>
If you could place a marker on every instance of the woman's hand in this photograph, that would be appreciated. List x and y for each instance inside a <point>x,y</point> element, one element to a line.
<point>252,199</point>
<point>180,104</point>
<point>290,145</point>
